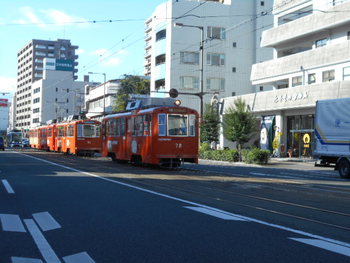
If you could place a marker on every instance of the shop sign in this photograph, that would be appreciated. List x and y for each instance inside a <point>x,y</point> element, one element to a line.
<point>291,97</point>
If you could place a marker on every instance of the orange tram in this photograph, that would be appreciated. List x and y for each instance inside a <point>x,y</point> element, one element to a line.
<point>165,135</point>
<point>80,137</point>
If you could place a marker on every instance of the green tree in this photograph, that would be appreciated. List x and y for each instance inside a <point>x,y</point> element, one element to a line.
<point>130,85</point>
<point>238,123</point>
<point>210,125</point>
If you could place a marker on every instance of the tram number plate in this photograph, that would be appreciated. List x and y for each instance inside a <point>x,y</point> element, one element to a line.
<point>178,145</point>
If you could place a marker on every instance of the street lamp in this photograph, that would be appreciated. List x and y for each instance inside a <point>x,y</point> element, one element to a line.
<point>201,48</point>
<point>104,89</point>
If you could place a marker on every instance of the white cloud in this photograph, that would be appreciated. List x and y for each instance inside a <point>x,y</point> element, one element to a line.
<point>8,85</point>
<point>49,19</point>
<point>80,51</point>
<point>111,62</point>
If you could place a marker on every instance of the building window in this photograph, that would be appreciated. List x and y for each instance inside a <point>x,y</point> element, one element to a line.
<point>37,90</point>
<point>216,84</point>
<point>160,59</point>
<point>214,59</point>
<point>234,69</point>
<point>311,78</point>
<point>328,75</point>
<point>216,32</point>
<point>321,42</point>
<point>297,81</point>
<point>262,3</point>
<point>189,58</point>
<point>190,83</point>
<point>261,88</point>
<point>36,100</point>
<point>56,89</point>
<point>160,84</point>
<point>36,120</point>
<point>36,110</point>
<point>67,100</point>
<point>234,44</point>
<point>161,35</point>
<point>346,73</point>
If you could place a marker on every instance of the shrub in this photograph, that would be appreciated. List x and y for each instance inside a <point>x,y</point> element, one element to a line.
<point>256,155</point>
<point>219,155</point>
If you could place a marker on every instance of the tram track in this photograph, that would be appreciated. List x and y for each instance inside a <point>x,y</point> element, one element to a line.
<point>234,200</point>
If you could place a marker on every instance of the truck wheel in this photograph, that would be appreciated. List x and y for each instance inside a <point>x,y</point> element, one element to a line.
<point>344,168</point>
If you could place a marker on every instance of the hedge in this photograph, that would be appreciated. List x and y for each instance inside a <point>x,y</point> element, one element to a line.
<point>254,155</point>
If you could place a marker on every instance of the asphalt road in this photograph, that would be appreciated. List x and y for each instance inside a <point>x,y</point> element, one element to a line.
<point>58,208</point>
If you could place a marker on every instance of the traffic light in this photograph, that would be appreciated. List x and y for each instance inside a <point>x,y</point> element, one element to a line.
<point>173,93</point>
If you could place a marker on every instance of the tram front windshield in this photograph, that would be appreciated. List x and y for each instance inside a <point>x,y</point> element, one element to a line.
<point>89,130</point>
<point>176,125</point>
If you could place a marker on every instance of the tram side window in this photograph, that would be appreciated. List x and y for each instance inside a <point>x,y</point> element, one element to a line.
<point>134,126</point>
<point>70,131</point>
<point>60,131</point>
<point>177,125</point>
<point>80,130</point>
<point>122,126</point>
<point>111,127</point>
<point>192,124</point>
<point>91,131</point>
<point>162,124</point>
<point>139,125</point>
<point>147,121</point>
<point>49,132</point>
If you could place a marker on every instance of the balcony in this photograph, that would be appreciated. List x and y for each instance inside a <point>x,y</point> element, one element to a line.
<point>318,57</point>
<point>311,24</point>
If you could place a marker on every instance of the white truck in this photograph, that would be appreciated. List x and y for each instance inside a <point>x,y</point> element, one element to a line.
<point>332,134</point>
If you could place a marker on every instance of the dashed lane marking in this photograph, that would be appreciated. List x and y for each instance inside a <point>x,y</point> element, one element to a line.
<point>46,221</point>
<point>344,250</point>
<point>221,215</point>
<point>11,223</point>
<point>7,186</point>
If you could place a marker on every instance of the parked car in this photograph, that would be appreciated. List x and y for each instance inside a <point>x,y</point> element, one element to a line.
<point>2,144</point>
<point>25,143</point>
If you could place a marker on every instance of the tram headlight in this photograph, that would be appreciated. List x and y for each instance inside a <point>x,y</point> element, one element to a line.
<point>177,102</point>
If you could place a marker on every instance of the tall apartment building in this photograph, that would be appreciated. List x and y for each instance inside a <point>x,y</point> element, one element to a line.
<point>229,32</point>
<point>311,42</point>
<point>30,69</point>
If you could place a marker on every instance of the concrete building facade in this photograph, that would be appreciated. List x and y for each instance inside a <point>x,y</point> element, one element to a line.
<point>227,32</point>
<point>100,99</point>
<point>57,95</point>
<point>30,69</point>
<point>311,62</point>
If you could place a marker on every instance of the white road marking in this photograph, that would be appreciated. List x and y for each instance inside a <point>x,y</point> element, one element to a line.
<point>194,203</point>
<point>7,186</point>
<point>344,250</point>
<point>11,223</point>
<point>46,221</point>
<point>25,260</point>
<point>82,257</point>
<point>44,247</point>
<point>210,212</point>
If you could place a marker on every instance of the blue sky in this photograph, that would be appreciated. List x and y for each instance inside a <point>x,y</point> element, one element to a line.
<point>115,48</point>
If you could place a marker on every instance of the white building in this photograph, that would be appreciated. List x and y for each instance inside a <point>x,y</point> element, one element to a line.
<point>100,99</point>
<point>56,95</point>
<point>229,32</point>
<point>311,62</point>
<point>4,115</point>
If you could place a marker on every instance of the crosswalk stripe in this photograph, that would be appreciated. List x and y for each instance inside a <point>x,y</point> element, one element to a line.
<point>11,223</point>
<point>25,260</point>
<point>82,257</point>
<point>46,221</point>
